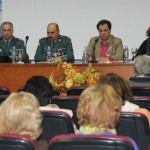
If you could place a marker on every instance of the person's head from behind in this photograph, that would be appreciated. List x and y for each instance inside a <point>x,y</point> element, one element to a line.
<point>142,64</point>
<point>41,88</point>
<point>104,28</point>
<point>53,31</point>
<point>20,114</point>
<point>100,106</point>
<point>120,85</point>
<point>7,30</point>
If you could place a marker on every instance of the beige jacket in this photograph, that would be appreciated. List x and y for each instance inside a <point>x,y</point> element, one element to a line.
<point>115,46</point>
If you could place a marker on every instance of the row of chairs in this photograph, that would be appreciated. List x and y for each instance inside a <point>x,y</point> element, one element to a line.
<point>132,124</point>
<point>56,124</point>
<point>136,91</point>
<point>71,102</point>
<point>67,142</point>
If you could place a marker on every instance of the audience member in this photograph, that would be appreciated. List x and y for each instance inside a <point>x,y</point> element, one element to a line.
<point>8,41</point>
<point>122,88</point>
<point>145,46</point>
<point>142,71</point>
<point>98,46</point>
<point>20,114</point>
<point>43,90</point>
<point>60,45</point>
<point>99,110</point>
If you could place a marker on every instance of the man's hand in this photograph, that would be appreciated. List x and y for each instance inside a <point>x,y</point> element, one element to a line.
<point>102,59</point>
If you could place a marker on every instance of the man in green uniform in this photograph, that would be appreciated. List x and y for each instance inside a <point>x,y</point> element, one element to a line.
<point>8,42</point>
<point>60,46</point>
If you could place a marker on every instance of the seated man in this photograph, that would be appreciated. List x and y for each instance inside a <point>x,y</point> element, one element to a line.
<point>61,46</point>
<point>8,41</point>
<point>104,44</point>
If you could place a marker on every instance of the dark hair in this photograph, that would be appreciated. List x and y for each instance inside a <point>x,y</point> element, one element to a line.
<point>102,22</point>
<point>120,85</point>
<point>41,88</point>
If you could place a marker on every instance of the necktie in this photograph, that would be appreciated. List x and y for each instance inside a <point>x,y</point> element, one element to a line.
<point>53,44</point>
<point>7,43</point>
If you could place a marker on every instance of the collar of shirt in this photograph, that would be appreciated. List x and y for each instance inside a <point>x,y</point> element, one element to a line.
<point>7,41</point>
<point>105,42</point>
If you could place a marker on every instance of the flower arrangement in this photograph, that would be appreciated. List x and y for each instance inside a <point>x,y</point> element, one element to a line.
<point>66,76</point>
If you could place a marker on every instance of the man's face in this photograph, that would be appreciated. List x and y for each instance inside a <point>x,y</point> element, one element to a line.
<point>52,32</point>
<point>104,32</point>
<point>7,31</point>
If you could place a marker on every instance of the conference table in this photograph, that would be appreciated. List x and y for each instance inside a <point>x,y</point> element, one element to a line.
<point>14,76</point>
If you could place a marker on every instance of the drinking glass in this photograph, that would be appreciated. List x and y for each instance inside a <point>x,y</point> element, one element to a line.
<point>19,53</point>
<point>107,54</point>
<point>133,51</point>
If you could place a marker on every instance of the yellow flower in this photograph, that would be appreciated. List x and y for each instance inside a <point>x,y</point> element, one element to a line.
<point>66,76</point>
<point>69,83</point>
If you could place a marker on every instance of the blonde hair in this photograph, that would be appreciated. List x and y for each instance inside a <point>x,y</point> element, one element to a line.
<point>20,114</point>
<point>100,106</point>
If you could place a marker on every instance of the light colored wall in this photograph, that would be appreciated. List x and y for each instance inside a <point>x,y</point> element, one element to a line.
<point>77,19</point>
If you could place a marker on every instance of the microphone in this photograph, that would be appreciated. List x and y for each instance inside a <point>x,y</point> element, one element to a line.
<point>27,57</point>
<point>27,38</point>
<point>93,58</point>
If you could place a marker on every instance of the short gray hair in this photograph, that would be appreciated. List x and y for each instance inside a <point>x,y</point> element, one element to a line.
<point>7,22</point>
<point>142,64</point>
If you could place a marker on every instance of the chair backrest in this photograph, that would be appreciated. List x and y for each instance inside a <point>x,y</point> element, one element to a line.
<point>90,142</point>
<point>4,90</point>
<point>136,126</point>
<point>140,91</point>
<point>16,142</point>
<point>142,101</point>
<point>67,102</point>
<point>55,123</point>
<point>3,97</point>
<point>76,90</point>
<point>56,91</point>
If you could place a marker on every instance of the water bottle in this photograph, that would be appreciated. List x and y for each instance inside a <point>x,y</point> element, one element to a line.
<point>84,56</point>
<point>49,56</point>
<point>13,55</point>
<point>126,54</point>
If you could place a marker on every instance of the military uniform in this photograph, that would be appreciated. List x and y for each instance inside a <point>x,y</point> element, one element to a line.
<point>62,46</point>
<point>6,48</point>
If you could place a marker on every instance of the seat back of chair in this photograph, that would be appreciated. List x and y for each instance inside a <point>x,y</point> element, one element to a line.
<point>142,101</point>
<point>136,126</point>
<point>15,142</point>
<point>90,142</point>
<point>140,91</point>
<point>76,90</point>
<point>55,123</point>
<point>3,98</point>
<point>56,91</point>
<point>4,90</point>
<point>67,102</point>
